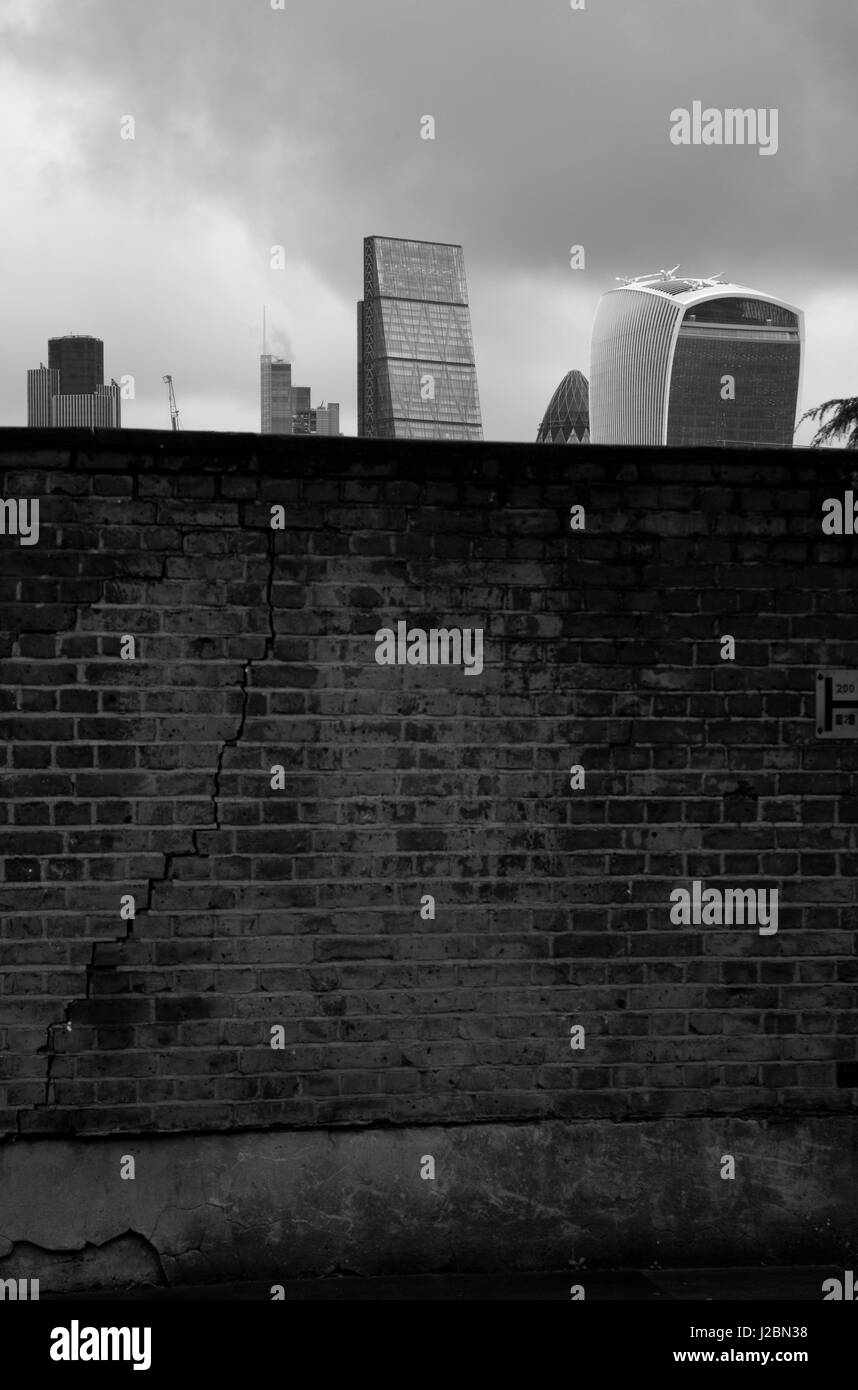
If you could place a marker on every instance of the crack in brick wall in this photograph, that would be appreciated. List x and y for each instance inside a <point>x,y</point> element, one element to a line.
<point>299,907</point>
<point>147,907</point>
<point>270,639</point>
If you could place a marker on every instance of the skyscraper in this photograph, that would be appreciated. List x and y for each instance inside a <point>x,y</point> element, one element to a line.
<point>416,373</point>
<point>328,418</point>
<point>275,394</point>
<point>70,390</point>
<point>567,417</point>
<point>318,419</point>
<point>99,409</point>
<point>300,409</point>
<point>43,384</point>
<point>687,362</point>
<point>79,361</point>
<point>286,409</point>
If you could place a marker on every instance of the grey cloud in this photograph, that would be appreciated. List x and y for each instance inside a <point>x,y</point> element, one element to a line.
<point>552,128</point>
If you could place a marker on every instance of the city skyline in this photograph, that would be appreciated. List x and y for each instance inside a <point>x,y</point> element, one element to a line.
<point>164,241</point>
<point>401,272</point>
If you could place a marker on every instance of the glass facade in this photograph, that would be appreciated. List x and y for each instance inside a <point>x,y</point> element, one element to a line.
<point>766,391</point>
<point>743,312</point>
<point>567,419</point>
<point>417,377</point>
<point>660,356</point>
<point>275,394</point>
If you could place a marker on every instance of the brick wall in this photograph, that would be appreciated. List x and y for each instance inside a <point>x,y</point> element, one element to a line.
<point>300,906</point>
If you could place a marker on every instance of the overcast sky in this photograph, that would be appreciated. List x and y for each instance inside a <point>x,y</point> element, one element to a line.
<point>257,126</point>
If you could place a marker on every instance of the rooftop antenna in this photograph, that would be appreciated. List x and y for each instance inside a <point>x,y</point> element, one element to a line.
<point>264,334</point>
<point>656,275</point>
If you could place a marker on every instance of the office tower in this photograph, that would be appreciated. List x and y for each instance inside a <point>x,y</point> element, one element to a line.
<point>286,409</point>
<point>276,394</point>
<point>43,384</point>
<point>687,362</point>
<point>328,418</point>
<point>567,418</point>
<point>79,361</point>
<point>301,410</point>
<point>74,362</point>
<point>101,409</point>
<point>416,373</point>
<point>320,419</point>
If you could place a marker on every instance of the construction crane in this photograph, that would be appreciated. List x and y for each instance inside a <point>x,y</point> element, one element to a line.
<point>174,409</point>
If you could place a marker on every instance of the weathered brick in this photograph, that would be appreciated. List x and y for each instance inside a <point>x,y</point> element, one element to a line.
<point>300,907</point>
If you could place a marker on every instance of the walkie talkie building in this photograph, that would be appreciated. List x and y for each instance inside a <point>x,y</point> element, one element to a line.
<point>416,373</point>
<point>694,362</point>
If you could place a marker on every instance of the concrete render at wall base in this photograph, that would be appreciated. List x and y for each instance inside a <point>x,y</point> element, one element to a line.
<point>250,1206</point>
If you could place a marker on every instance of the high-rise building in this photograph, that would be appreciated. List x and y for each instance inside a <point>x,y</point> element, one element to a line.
<point>70,390</point>
<point>79,361</point>
<point>43,384</point>
<point>687,362</point>
<point>328,418</point>
<point>286,409</point>
<point>300,409</point>
<point>320,419</point>
<point>275,394</point>
<point>567,418</point>
<point>417,377</point>
<point>98,410</point>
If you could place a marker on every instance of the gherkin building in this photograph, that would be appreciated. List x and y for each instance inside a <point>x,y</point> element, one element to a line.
<point>567,419</point>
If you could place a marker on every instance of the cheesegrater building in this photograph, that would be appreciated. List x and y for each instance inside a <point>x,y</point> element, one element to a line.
<point>689,362</point>
<point>416,373</point>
